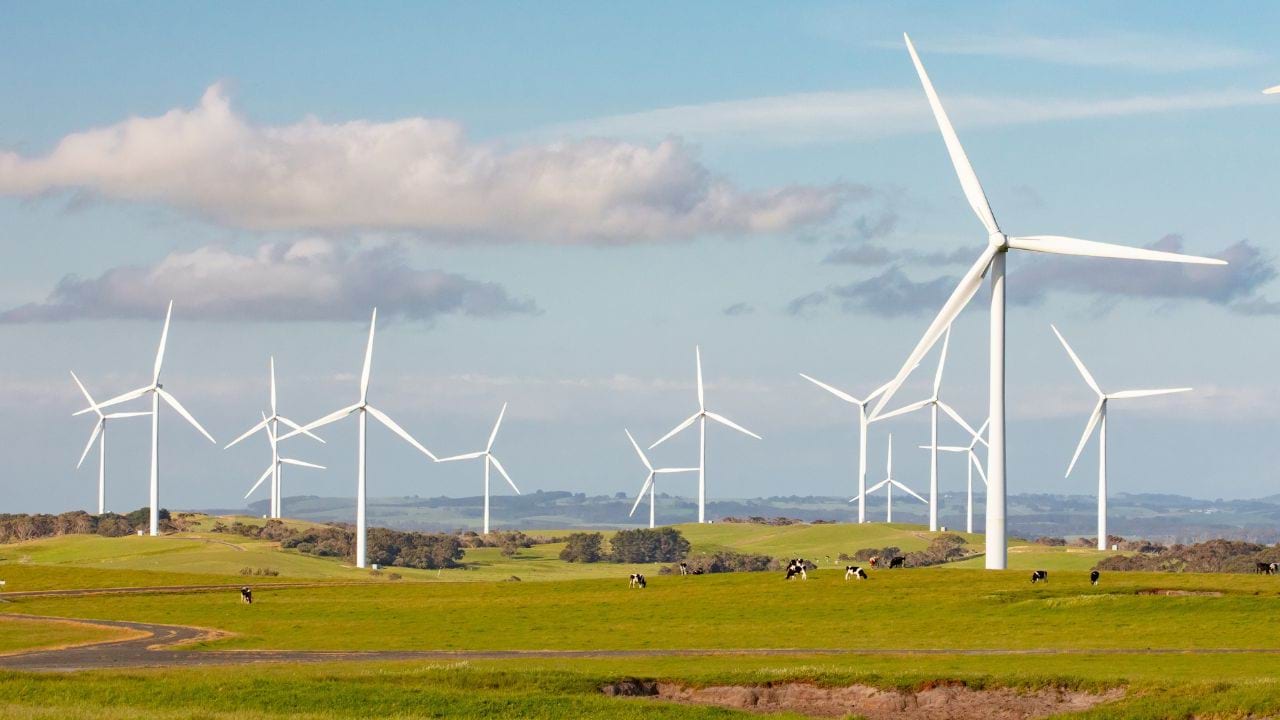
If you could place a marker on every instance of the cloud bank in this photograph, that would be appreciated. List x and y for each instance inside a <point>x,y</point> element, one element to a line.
<point>289,281</point>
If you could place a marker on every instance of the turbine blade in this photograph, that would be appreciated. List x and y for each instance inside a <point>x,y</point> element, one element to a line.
<point>273,386</point>
<point>639,452</point>
<point>964,170</point>
<point>661,471</point>
<point>1059,245</point>
<point>87,396</point>
<point>876,393</point>
<point>97,428</point>
<point>1088,378</point>
<point>258,426</point>
<point>643,488</point>
<point>960,297</point>
<point>903,410</point>
<point>1128,394</point>
<point>301,463</point>
<point>261,480</point>
<point>173,403</point>
<point>368,358</point>
<point>126,397</point>
<point>834,391</point>
<point>331,417</point>
<point>497,464</point>
<point>959,420</point>
<point>494,435</point>
<point>726,421</point>
<point>904,488</point>
<point>1088,430</point>
<point>117,416</point>
<point>977,465</point>
<point>942,362</point>
<point>393,427</point>
<point>164,338</point>
<point>299,428</point>
<point>697,353</point>
<point>978,436</point>
<point>466,456</point>
<point>676,429</point>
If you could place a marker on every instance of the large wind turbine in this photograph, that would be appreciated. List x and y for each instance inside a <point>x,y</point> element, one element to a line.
<point>649,483</point>
<point>1099,418</point>
<point>273,470</point>
<point>100,433</point>
<point>701,417</point>
<point>157,392</point>
<point>890,483</point>
<point>489,459</point>
<point>272,425</point>
<point>862,436</point>
<point>934,403</point>
<point>364,409</point>
<point>973,463</point>
<point>992,260</point>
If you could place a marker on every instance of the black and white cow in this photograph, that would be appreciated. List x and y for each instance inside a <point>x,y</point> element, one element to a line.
<point>1093,577</point>
<point>246,596</point>
<point>854,571</point>
<point>896,562</point>
<point>797,567</point>
<point>637,581</point>
<point>1039,576</point>
<point>1266,568</point>
<point>684,568</point>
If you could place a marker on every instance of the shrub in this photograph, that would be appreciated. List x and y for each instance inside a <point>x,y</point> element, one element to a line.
<point>648,546</point>
<point>583,547</point>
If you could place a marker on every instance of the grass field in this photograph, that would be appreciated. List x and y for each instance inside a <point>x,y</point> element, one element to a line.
<point>18,633</point>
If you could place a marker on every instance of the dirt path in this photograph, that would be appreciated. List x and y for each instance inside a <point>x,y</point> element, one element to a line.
<point>171,589</point>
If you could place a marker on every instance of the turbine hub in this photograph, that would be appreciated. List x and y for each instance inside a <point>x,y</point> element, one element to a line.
<point>998,240</point>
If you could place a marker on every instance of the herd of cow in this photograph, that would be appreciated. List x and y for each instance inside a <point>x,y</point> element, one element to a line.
<point>799,568</point>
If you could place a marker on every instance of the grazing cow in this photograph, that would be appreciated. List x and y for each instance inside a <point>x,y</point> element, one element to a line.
<point>1265,568</point>
<point>1274,568</point>
<point>797,567</point>
<point>684,568</point>
<point>874,561</point>
<point>246,596</point>
<point>1039,576</point>
<point>855,571</point>
<point>1093,577</point>
<point>896,562</point>
<point>637,581</point>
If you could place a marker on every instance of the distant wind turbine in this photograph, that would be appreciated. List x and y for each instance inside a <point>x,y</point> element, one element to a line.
<point>992,260</point>
<point>273,471</point>
<point>363,409</point>
<point>974,463</point>
<point>862,436</point>
<point>649,481</point>
<point>489,459</point>
<point>890,484</point>
<point>157,392</point>
<point>1099,418</point>
<point>701,418</point>
<point>100,433</point>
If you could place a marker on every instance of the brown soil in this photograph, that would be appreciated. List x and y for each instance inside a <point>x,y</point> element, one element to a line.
<point>1179,593</point>
<point>944,702</point>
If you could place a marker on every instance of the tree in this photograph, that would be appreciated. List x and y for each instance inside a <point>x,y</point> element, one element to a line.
<point>583,547</point>
<point>648,546</point>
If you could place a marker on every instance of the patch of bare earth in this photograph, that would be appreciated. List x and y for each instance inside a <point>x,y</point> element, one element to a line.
<point>943,702</point>
<point>1179,593</point>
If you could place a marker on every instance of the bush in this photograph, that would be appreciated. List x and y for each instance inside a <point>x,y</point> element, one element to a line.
<point>723,562</point>
<point>648,546</point>
<point>583,547</point>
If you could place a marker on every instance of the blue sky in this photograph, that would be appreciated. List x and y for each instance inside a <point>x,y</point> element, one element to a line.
<point>553,204</point>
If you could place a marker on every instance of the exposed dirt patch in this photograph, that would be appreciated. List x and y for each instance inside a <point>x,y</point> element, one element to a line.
<point>943,702</point>
<point>1179,593</point>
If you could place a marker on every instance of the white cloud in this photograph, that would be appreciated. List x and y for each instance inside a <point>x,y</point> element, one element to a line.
<point>414,174</point>
<point>1133,51</point>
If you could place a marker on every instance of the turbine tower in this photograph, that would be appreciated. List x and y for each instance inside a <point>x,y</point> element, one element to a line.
<point>363,409</point>
<point>890,484</point>
<point>273,470</point>
<point>272,425</point>
<point>157,392</point>
<point>862,436</point>
<point>649,483</point>
<point>100,433</point>
<point>489,459</point>
<point>701,418</point>
<point>974,463</point>
<point>992,261</point>
<point>1099,418</point>
<point>934,403</point>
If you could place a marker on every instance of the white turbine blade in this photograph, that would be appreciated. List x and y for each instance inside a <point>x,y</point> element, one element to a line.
<point>964,170</point>
<point>729,423</point>
<point>117,416</point>
<point>1127,394</point>
<point>960,297</point>
<point>247,433</point>
<point>503,471</point>
<point>834,391</point>
<point>1059,245</point>
<point>1088,430</point>
<point>676,429</point>
<point>393,427</point>
<point>876,393</point>
<point>271,435</point>
<point>942,362</point>
<point>126,397</point>
<point>87,396</point>
<point>331,417</point>
<point>368,358</point>
<point>164,338</point>
<point>959,420</point>
<point>173,403</point>
<point>977,465</point>
<point>697,353</point>
<point>1088,378</point>
<point>639,452</point>
<point>494,435</point>
<point>872,489</point>
<point>945,448</point>
<point>301,463</point>
<point>903,410</point>
<point>299,428</point>
<point>266,474</point>
<point>466,456</point>
<point>904,488</point>
<point>662,471</point>
<point>97,428</point>
<point>273,385</point>
<point>1271,90</point>
<point>643,488</point>
<point>978,436</point>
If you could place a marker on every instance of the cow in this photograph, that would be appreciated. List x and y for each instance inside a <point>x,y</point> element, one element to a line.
<point>637,581</point>
<point>896,562</point>
<point>1274,568</point>
<point>797,567</point>
<point>246,596</point>
<point>1093,577</point>
<point>684,568</point>
<point>874,561</point>
<point>1265,568</point>
<point>854,571</point>
<point>1039,576</point>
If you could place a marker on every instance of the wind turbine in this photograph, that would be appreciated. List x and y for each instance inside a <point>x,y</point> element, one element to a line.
<point>974,462</point>
<point>272,426</point>
<point>364,409</point>
<point>992,260</point>
<point>157,392</point>
<point>701,417</point>
<point>649,483</point>
<point>890,483</point>
<point>489,459</point>
<point>273,470</point>
<point>100,433</point>
<point>1099,418</point>
<point>934,402</point>
<point>862,436</point>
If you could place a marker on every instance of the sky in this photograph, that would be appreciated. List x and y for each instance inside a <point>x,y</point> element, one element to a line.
<point>551,205</point>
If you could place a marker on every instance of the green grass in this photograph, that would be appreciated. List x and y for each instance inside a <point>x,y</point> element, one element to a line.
<point>27,634</point>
